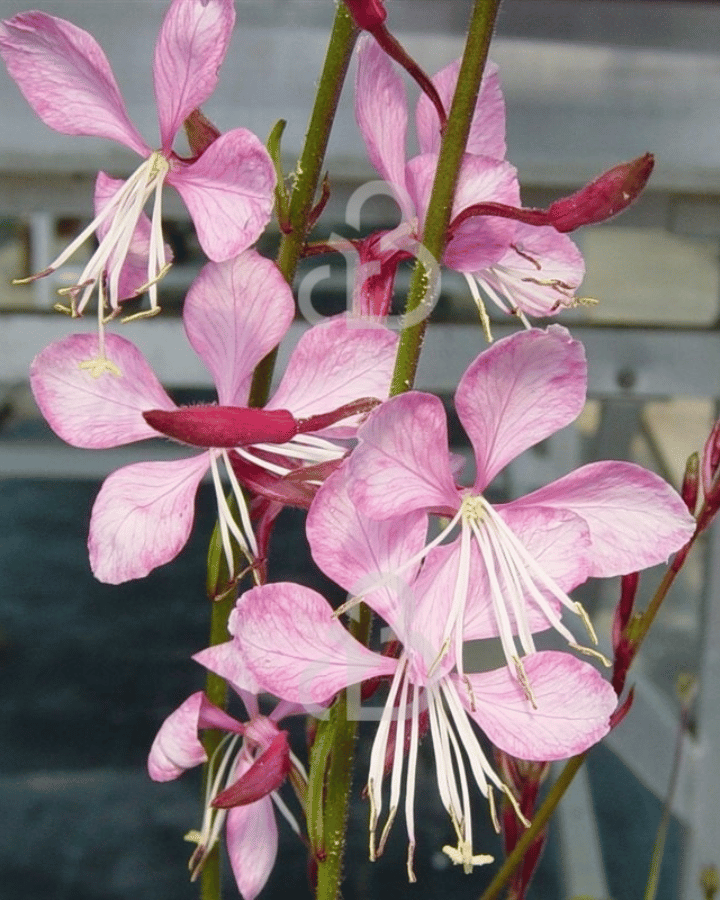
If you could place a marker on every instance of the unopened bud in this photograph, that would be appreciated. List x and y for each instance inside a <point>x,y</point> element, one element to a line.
<point>200,132</point>
<point>605,197</point>
<point>691,483</point>
<point>367,14</point>
<point>711,461</point>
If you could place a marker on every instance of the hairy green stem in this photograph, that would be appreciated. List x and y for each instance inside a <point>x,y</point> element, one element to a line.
<point>454,139</point>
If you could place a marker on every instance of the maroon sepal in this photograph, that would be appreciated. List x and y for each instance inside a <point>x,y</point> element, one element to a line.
<point>605,197</point>
<point>265,775</point>
<point>367,14</point>
<point>223,426</point>
<point>294,489</point>
<point>325,420</point>
<point>200,132</point>
<point>622,710</point>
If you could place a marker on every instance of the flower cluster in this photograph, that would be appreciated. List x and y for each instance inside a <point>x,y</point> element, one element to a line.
<point>390,518</point>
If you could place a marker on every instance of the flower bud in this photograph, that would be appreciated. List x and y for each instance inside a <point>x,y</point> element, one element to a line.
<point>691,483</point>
<point>605,197</point>
<point>711,461</point>
<point>367,14</point>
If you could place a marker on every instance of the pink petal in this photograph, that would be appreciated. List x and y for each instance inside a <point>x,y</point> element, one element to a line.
<point>191,46</point>
<point>252,843</point>
<point>134,273</point>
<point>635,518</point>
<point>518,392</point>
<point>401,463</point>
<point>294,646</point>
<point>487,131</point>
<point>235,313</point>
<point>229,192</point>
<point>177,747</point>
<point>226,661</point>
<point>66,78</point>
<point>335,363</point>
<point>540,271</point>
<point>357,552</point>
<point>381,113</point>
<point>482,240</point>
<point>574,704</point>
<point>96,412</point>
<point>142,517</point>
<point>267,772</point>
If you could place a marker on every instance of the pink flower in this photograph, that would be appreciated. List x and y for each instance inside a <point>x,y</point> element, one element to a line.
<point>66,78</point>
<point>291,643</point>
<point>522,557</point>
<point>250,764</point>
<point>522,268</point>
<point>234,314</point>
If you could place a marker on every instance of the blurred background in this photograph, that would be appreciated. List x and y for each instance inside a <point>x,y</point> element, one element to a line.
<point>88,671</point>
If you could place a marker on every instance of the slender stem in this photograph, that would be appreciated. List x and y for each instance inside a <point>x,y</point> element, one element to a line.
<point>309,170</point>
<point>435,231</point>
<point>307,178</point>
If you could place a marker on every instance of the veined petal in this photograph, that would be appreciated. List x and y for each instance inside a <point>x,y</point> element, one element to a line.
<point>226,661</point>
<point>635,518</point>
<point>252,843</point>
<point>487,130</point>
<point>142,517</point>
<point>235,313</point>
<point>177,747</point>
<point>294,646</point>
<point>96,412</point>
<point>574,704</point>
<point>64,75</point>
<point>229,192</point>
<point>401,463</point>
<point>482,240</point>
<point>335,363</point>
<point>518,392</point>
<point>381,113</point>
<point>358,552</point>
<point>134,272</point>
<point>191,46</point>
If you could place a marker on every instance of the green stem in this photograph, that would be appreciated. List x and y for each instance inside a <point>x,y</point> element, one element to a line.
<point>309,171</point>
<point>307,179</point>
<point>452,148</point>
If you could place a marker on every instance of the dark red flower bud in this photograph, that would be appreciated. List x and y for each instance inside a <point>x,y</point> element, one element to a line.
<point>223,426</point>
<point>711,460</point>
<point>605,197</point>
<point>367,14</point>
<point>691,483</point>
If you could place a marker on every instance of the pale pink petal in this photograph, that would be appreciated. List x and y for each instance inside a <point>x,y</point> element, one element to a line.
<point>66,78</point>
<point>401,463</point>
<point>539,273</point>
<point>335,363</point>
<point>294,646</point>
<point>235,313</point>
<point>142,517</point>
<point>482,240</point>
<point>229,192</point>
<point>358,552</point>
<point>177,747</point>
<point>191,46</point>
<point>96,411</point>
<point>557,539</point>
<point>252,843</point>
<point>226,661</point>
<point>134,272</point>
<point>487,130</point>
<point>635,518</point>
<point>574,704</point>
<point>518,392</point>
<point>381,113</point>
